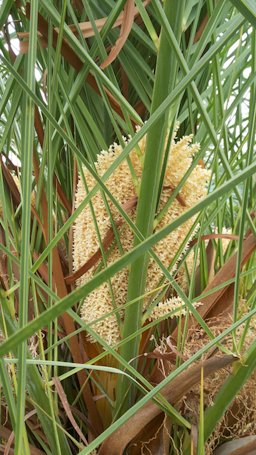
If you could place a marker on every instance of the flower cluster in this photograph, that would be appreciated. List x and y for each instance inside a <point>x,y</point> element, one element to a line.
<point>113,293</point>
<point>173,305</point>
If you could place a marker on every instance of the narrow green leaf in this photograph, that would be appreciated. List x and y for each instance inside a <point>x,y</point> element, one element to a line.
<point>4,11</point>
<point>247,8</point>
<point>26,159</point>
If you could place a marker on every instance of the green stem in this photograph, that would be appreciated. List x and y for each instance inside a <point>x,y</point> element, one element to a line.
<point>21,443</point>
<point>166,72</point>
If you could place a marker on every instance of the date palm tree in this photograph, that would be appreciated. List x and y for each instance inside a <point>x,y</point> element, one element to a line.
<point>127,226</point>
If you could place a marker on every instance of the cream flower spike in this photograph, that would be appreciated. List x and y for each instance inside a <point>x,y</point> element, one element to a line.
<point>120,184</point>
<point>174,304</point>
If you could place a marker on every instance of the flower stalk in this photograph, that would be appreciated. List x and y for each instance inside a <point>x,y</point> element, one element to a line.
<point>166,72</point>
